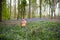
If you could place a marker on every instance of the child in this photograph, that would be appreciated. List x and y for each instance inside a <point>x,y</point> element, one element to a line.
<point>23,23</point>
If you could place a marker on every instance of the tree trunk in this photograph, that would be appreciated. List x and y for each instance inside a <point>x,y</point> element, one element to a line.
<point>51,13</point>
<point>10,9</point>
<point>54,8</point>
<point>18,16</point>
<point>59,10</point>
<point>14,8</point>
<point>53,3</point>
<point>0,10</point>
<point>24,12</point>
<point>40,8</point>
<point>29,9</point>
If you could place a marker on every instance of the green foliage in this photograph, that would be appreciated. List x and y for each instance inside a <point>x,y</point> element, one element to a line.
<point>21,8</point>
<point>5,11</point>
<point>23,3</point>
<point>37,30</point>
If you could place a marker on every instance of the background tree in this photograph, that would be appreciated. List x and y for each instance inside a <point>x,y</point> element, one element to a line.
<point>34,7</point>
<point>29,9</point>
<point>19,9</point>
<point>14,8</point>
<point>5,11</point>
<point>52,7</point>
<point>58,9</point>
<point>23,5</point>
<point>0,10</point>
<point>10,9</point>
<point>40,8</point>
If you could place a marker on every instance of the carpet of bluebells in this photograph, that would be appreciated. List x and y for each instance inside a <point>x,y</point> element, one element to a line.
<point>35,30</point>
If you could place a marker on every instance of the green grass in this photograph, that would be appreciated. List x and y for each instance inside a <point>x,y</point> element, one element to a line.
<point>35,30</point>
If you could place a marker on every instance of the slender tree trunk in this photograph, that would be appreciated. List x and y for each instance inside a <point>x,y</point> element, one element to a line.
<point>29,14</point>
<point>10,9</point>
<point>14,8</point>
<point>5,8</point>
<point>18,10</point>
<point>0,10</point>
<point>23,12</point>
<point>53,3</point>
<point>51,13</point>
<point>54,7</point>
<point>21,9</point>
<point>59,10</point>
<point>40,8</point>
<point>51,7</point>
<point>33,12</point>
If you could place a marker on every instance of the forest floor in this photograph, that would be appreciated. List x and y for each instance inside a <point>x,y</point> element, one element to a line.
<point>36,29</point>
<point>18,22</point>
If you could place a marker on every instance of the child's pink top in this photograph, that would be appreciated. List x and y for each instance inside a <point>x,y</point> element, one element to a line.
<point>23,23</point>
